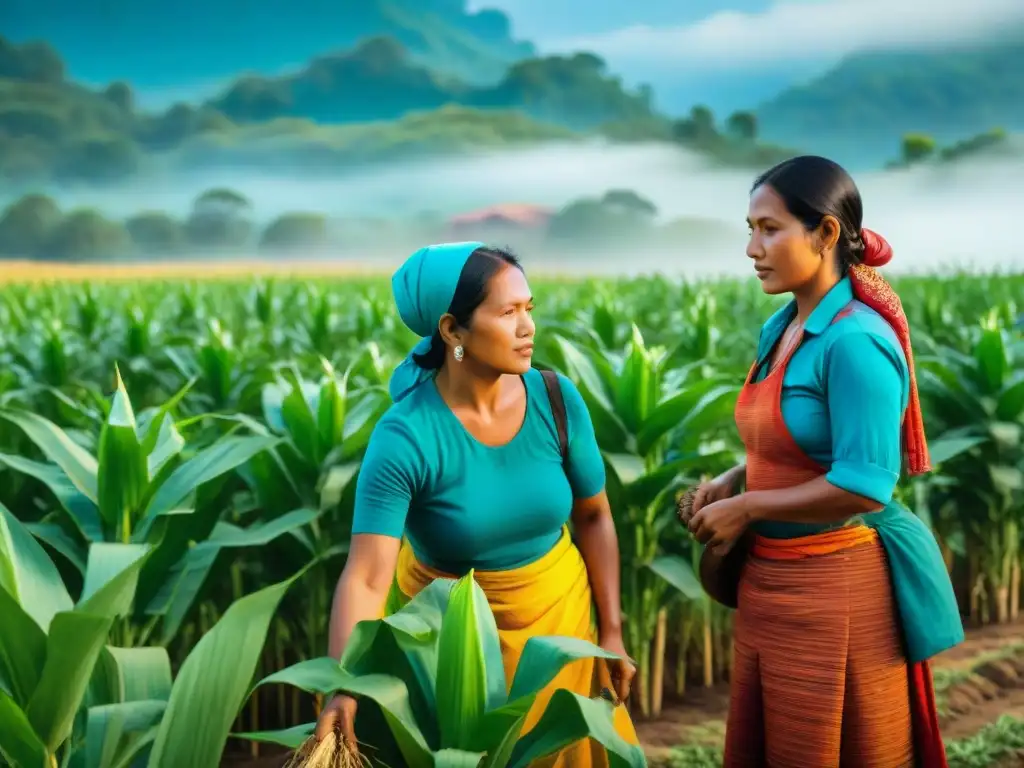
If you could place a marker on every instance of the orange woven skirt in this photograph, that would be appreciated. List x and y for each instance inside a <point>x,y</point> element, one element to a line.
<point>819,673</point>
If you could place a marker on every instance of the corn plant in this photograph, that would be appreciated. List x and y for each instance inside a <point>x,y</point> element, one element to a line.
<point>141,488</point>
<point>979,399</point>
<point>65,692</point>
<point>434,670</point>
<point>653,424</point>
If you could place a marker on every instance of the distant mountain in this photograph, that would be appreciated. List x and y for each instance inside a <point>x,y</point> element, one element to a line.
<point>370,104</point>
<point>860,109</point>
<point>161,45</point>
<point>378,80</point>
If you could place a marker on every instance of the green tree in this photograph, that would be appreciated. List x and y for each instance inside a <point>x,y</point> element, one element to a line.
<point>168,130</point>
<point>86,235</point>
<point>704,122</point>
<point>630,202</point>
<point>619,215</point>
<point>742,125</point>
<point>698,128</point>
<point>219,219</point>
<point>26,225</point>
<point>35,62</point>
<point>155,232</point>
<point>572,90</point>
<point>254,98</point>
<point>917,147</point>
<point>295,230</point>
<point>120,94</point>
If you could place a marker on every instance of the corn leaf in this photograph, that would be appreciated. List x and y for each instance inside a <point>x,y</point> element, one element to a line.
<point>19,744</point>
<point>167,445</point>
<point>404,644</point>
<point>678,572</point>
<point>568,718</point>
<point>111,577</point>
<point>223,456</point>
<point>544,657</point>
<point>82,511</point>
<point>633,395</point>
<point>22,650</point>
<point>58,540</point>
<point>212,683</point>
<point>152,421</point>
<point>1010,404</point>
<point>133,674</point>
<point>500,747</point>
<point>671,412</point>
<point>80,467</point>
<point>323,675</point>
<point>457,758</point>
<point>28,574</point>
<point>73,646</point>
<point>299,418</point>
<point>330,412</point>
<point>461,670</point>
<point>122,476</point>
<point>183,582</point>
<point>108,724</point>
<point>292,738</point>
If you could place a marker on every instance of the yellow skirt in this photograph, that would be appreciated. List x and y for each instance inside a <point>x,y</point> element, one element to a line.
<point>550,596</point>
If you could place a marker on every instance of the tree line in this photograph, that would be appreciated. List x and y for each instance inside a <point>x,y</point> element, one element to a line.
<point>222,220</point>
<point>917,148</point>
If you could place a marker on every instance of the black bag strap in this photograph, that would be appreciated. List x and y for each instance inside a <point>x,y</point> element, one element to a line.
<point>558,410</point>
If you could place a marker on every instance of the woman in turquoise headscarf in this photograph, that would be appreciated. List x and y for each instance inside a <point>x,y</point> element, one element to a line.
<point>466,471</point>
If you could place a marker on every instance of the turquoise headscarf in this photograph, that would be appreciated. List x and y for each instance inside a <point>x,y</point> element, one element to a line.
<point>423,288</point>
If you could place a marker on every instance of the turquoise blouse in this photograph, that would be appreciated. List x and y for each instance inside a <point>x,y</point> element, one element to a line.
<point>843,398</point>
<point>463,504</point>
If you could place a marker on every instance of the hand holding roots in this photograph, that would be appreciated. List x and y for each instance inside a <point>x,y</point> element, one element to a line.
<point>684,507</point>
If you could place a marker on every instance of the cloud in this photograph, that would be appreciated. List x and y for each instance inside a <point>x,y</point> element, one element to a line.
<point>804,30</point>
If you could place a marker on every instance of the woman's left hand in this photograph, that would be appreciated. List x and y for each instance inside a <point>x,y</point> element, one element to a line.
<point>720,524</point>
<point>622,669</point>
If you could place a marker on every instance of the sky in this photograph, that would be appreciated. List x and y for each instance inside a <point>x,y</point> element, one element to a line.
<point>737,33</point>
<point>735,53</point>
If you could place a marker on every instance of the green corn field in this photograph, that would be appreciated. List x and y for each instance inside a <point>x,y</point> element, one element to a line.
<point>178,459</point>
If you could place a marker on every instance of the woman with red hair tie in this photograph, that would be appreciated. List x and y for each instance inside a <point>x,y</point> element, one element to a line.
<point>841,592</point>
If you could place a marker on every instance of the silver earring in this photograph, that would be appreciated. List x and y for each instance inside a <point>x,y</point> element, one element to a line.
<point>459,353</point>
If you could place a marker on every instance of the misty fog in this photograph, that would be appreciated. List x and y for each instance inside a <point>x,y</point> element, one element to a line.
<point>960,215</point>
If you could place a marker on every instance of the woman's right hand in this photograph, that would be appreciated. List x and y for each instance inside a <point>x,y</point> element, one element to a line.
<point>722,487</point>
<point>339,716</point>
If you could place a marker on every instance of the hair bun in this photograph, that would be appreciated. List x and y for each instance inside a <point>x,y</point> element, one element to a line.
<point>877,251</point>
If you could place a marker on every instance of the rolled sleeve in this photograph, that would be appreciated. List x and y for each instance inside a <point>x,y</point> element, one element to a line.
<point>387,477</point>
<point>866,379</point>
<point>585,468</point>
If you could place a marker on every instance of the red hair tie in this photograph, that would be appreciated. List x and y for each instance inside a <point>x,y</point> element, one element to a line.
<point>877,251</point>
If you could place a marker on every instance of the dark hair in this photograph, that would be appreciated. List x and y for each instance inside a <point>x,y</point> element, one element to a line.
<point>813,187</point>
<point>474,281</point>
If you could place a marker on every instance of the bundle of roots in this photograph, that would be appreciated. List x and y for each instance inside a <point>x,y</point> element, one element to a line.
<point>334,751</point>
<point>684,507</point>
